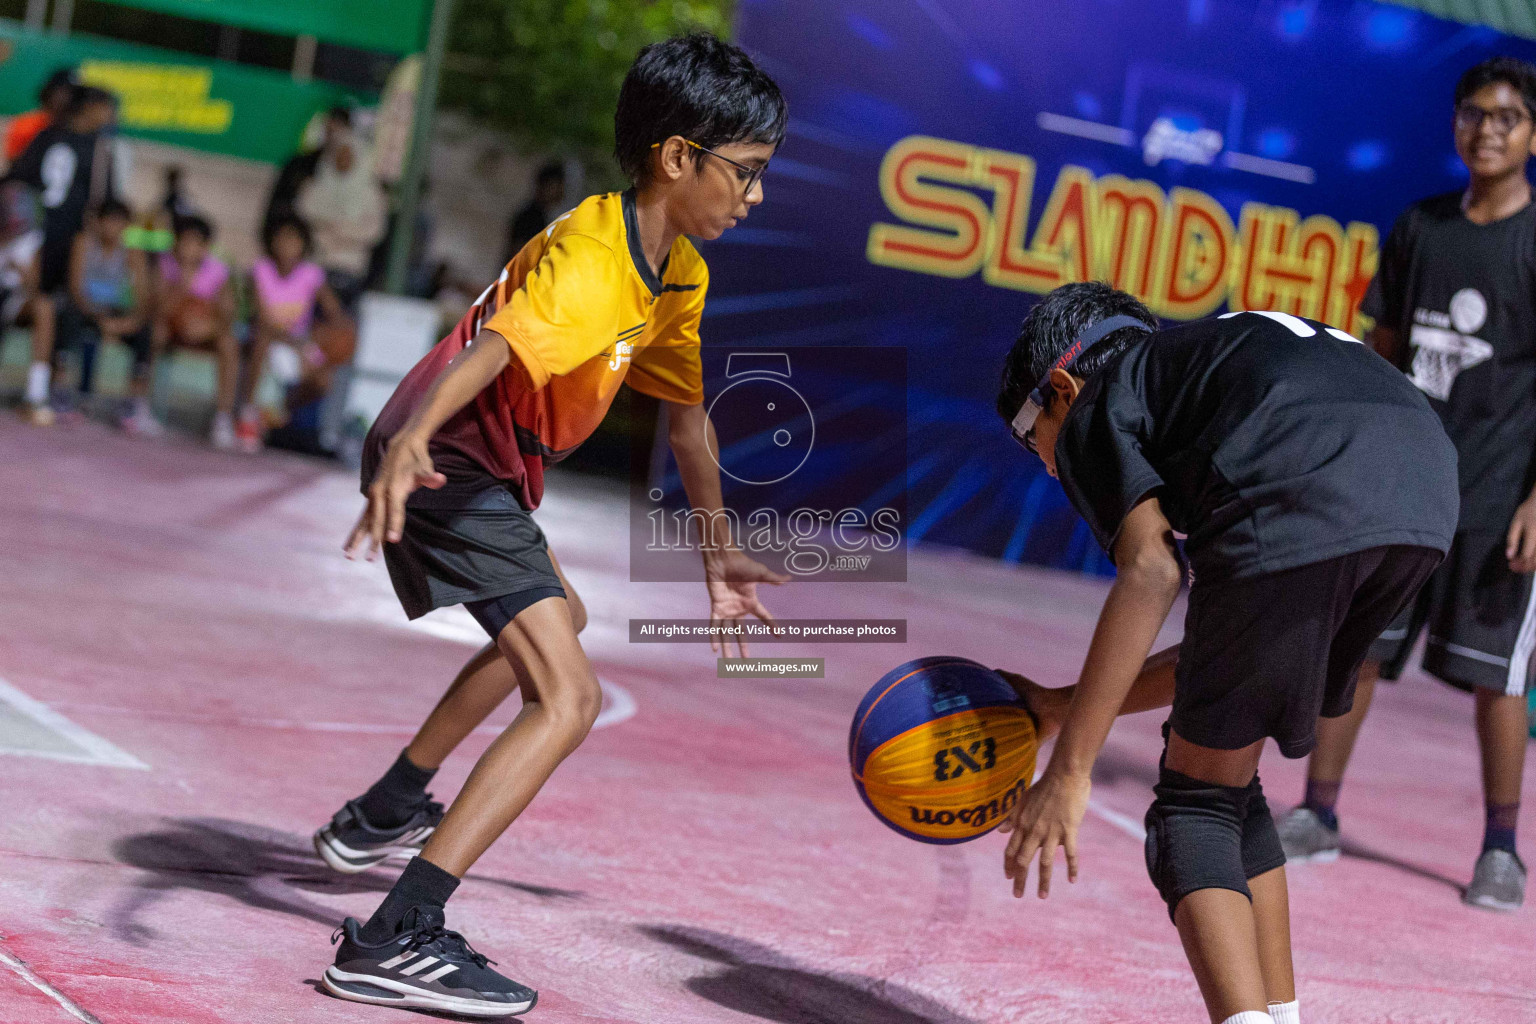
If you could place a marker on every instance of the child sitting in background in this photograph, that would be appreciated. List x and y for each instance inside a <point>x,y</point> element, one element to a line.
<point>108,299</point>
<point>21,303</point>
<point>289,287</point>
<point>195,308</point>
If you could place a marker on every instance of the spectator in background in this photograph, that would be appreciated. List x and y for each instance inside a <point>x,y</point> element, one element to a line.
<point>548,195</point>
<point>51,101</point>
<point>108,300</point>
<point>21,243</point>
<point>174,203</point>
<point>302,167</point>
<point>290,288</point>
<point>71,164</point>
<point>194,306</point>
<point>344,207</point>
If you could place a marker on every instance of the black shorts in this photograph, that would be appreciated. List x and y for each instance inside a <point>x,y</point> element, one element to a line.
<point>1266,656</point>
<point>1481,619</point>
<point>470,556</point>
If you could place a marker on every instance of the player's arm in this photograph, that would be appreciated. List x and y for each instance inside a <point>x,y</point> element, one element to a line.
<point>1152,689</point>
<point>1147,583</point>
<point>407,465</point>
<point>731,576</point>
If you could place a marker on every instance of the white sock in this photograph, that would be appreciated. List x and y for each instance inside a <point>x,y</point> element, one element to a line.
<point>39,376</point>
<point>1285,1013</point>
<point>1249,1017</point>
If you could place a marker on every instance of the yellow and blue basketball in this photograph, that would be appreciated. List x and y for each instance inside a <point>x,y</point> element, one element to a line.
<point>941,749</point>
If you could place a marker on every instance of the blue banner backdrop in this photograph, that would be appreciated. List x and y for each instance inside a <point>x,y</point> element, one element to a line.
<point>948,161</point>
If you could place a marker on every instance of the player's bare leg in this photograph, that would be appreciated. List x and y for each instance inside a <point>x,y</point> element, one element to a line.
<point>1272,922</point>
<point>482,684</point>
<point>1502,736</point>
<point>1336,736</point>
<point>1218,927</point>
<point>561,700</point>
<point>1498,879</point>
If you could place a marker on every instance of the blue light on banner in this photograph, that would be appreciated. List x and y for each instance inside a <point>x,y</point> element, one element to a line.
<point>951,160</point>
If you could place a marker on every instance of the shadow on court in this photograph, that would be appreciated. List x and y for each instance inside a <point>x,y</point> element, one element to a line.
<point>760,982</point>
<point>261,867</point>
<point>1358,852</point>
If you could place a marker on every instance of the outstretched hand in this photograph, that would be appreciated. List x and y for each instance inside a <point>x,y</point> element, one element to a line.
<point>406,466</point>
<point>1048,816</point>
<point>732,579</point>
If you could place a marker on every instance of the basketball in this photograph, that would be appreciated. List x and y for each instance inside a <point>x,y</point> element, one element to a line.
<point>941,749</point>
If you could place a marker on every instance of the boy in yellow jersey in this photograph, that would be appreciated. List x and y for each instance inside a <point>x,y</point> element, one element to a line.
<point>608,294</point>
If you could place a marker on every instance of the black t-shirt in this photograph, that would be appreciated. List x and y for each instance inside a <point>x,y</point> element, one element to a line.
<point>72,172</point>
<point>1463,295</point>
<point>1271,441</point>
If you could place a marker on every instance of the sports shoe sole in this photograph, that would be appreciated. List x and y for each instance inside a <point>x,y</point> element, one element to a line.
<point>365,988</point>
<point>1489,903</point>
<point>1320,857</point>
<point>341,857</point>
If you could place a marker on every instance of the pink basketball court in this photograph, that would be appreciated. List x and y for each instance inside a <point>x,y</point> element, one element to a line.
<point>192,678</point>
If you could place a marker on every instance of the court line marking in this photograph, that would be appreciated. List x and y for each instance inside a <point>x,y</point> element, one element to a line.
<point>97,750</point>
<point>30,977</point>
<point>1124,822</point>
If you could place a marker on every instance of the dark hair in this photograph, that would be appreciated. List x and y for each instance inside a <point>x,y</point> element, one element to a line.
<point>88,96</point>
<point>63,78</point>
<point>552,171</point>
<point>1053,324</point>
<point>1515,73</point>
<point>289,221</point>
<point>113,208</point>
<point>191,223</point>
<point>340,113</point>
<point>700,88</point>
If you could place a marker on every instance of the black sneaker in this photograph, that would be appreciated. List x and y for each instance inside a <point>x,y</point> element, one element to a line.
<point>349,844</point>
<point>424,967</point>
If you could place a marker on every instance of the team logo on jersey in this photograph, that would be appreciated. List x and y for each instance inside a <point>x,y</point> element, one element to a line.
<point>1443,343</point>
<point>621,352</point>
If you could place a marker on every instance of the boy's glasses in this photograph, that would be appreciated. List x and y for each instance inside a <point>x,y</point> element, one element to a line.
<point>1470,117</point>
<point>753,174</point>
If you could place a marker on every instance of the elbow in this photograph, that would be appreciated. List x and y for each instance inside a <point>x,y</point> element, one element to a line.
<point>1155,571</point>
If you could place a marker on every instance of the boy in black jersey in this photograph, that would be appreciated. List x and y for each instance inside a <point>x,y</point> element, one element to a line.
<point>1455,308</point>
<point>1317,491</point>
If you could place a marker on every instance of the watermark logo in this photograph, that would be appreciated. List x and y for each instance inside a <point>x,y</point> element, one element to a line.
<point>810,447</point>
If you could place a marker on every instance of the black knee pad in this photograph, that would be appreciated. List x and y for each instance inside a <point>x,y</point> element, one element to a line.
<point>1195,837</point>
<point>1261,841</point>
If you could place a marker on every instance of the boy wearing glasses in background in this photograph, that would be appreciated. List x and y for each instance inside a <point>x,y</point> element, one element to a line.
<point>1455,307</point>
<point>609,294</point>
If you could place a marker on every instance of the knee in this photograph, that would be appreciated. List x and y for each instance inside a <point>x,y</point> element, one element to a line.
<point>1261,840</point>
<point>1195,837</point>
<point>574,704</point>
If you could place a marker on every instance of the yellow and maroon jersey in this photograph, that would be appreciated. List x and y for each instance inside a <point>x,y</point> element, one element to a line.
<point>583,314</point>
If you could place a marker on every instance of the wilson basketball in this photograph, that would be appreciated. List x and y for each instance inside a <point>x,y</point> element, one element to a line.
<point>941,748</point>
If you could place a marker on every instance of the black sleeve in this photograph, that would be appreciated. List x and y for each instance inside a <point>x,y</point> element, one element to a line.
<point>1384,299</point>
<point>1100,459</point>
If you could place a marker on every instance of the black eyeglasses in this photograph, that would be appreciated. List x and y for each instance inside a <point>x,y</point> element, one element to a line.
<point>1470,117</point>
<point>749,176</point>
